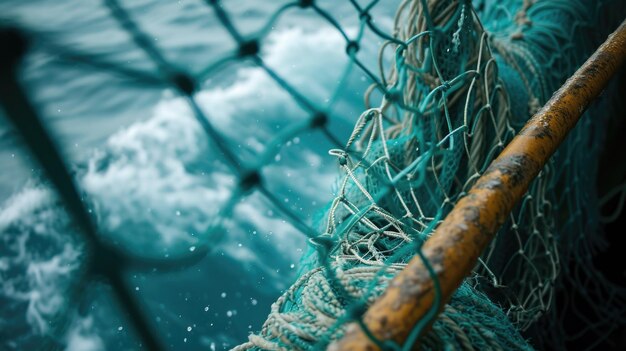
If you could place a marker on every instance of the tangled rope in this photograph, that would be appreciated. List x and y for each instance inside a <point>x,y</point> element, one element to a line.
<point>446,112</point>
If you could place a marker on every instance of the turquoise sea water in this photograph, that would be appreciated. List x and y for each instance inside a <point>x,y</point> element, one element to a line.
<point>154,181</point>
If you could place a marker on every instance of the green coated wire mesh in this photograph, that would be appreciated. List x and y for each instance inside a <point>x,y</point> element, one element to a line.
<point>463,77</point>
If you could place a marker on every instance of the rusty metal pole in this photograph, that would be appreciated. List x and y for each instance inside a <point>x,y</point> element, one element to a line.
<point>457,243</point>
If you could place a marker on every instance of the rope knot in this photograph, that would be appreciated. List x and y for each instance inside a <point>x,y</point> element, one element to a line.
<point>249,48</point>
<point>184,83</point>
<point>319,120</point>
<point>352,47</point>
<point>306,3</point>
<point>249,180</point>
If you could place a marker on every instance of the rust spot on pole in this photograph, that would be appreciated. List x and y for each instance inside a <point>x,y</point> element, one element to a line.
<point>454,248</point>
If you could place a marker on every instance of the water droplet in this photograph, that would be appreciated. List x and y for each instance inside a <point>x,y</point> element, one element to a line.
<point>189,328</point>
<point>120,328</point>
<point>192,248</point>
<point>223,295</point>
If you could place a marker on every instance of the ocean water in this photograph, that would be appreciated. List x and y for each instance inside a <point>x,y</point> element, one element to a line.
<point>153,180</point>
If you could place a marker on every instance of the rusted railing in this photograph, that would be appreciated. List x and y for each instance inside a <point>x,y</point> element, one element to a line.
<point>455,247</point>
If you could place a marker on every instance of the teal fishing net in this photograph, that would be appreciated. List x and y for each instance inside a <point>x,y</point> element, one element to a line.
<point>462,83</point>
<point>456,81</point>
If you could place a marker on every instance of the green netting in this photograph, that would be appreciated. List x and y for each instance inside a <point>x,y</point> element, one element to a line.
<point>445,115</point>
<point>462,79</point>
